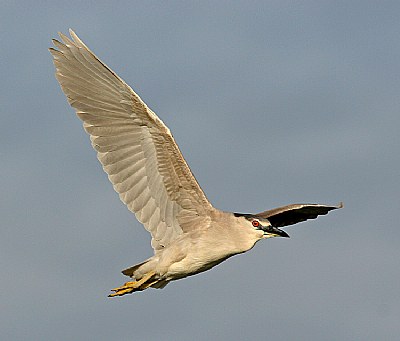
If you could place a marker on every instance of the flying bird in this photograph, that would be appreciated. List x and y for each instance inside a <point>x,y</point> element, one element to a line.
<point>148,171</point>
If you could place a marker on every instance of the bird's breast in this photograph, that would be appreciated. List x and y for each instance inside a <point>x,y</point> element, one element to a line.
<point>205,250</point>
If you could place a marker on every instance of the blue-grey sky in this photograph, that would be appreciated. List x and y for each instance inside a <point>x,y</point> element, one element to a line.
<point>271,103</point>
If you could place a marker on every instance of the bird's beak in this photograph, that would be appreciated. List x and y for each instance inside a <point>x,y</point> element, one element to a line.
<point>275,232</point>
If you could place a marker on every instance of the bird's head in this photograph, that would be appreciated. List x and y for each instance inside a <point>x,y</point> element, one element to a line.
<point>263,224</point>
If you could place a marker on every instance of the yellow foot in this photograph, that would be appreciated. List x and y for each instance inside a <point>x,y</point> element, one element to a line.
<point>129,287</point>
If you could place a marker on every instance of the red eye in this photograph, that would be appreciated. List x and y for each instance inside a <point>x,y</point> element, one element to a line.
<point>255,223</point>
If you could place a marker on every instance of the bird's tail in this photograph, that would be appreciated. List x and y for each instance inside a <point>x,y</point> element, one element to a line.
<point>130,272</point>
<point>143,270</point>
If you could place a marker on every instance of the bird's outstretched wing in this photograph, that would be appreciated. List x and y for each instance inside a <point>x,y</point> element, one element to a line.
<point>292,214</point>
<point>136,149</point>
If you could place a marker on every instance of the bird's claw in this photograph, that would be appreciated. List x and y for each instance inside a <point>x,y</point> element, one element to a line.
<point>129,287</point>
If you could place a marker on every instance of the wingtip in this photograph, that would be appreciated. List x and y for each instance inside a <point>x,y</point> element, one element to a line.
<point>64,38</point>
<point>78,42</point>
<point>73,35</point>
<point>340,205</point>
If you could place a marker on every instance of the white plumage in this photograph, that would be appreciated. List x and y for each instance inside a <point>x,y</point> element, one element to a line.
<point>148,171</point>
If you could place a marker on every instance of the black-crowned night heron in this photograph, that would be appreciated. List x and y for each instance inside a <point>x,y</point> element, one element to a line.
<point>147,169</point>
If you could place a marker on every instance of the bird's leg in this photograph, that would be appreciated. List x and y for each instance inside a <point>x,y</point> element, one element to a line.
<point>129,287</point>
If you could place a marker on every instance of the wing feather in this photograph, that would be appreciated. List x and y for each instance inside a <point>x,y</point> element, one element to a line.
<point>295,213</point>
<point>136,149</point>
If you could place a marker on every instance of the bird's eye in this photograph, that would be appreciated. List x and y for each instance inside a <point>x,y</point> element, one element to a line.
<point>255,223</point>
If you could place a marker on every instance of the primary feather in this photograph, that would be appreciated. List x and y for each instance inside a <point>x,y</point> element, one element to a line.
<point>136,149</point>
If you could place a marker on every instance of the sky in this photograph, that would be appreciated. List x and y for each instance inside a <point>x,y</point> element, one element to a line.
<point>271,103</point>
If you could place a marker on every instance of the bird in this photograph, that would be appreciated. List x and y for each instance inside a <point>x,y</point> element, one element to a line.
<point>147,169</point>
